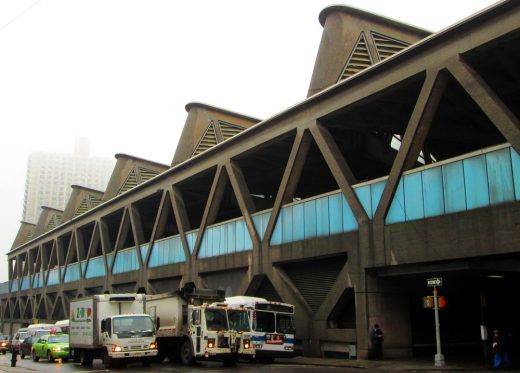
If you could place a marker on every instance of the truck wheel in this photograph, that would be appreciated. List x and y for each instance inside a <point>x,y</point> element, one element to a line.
<point>49,357</point>
<point>85,358</point>
<point>185,354</point>
<point>34,357</point>
<point>107,360</point>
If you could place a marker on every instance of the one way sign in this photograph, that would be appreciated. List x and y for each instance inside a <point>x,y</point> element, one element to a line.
<point>436,281</point>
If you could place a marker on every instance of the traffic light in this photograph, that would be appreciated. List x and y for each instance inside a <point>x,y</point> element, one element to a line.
<point>441,302</point>
<point>428,302</point>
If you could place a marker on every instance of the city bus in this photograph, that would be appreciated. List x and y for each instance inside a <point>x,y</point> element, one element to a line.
<point>272,326</point>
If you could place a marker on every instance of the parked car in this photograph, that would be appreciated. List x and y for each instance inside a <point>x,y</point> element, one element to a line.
<point>26,346</point>
<point>51,347</point>
<point>4,344</point>
<point>18,337</point>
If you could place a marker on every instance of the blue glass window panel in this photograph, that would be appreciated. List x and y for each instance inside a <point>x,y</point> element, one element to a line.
<point>25,283</point>
<point>4,287</point>
<point>322,211</point>
<point>230,237</point>
<point>376,191</point>
<point>515,161</point>
<point>309,211</point>
<point>53,277</point>
<point>143,250</point>
<point>364,196</point>
<point>212,242</point>
<point>261,221</point>
<point>453,183</point>
<point>475,179</point>
<point>14,285</point>
<point>433,192</point>
<point>396,212</point>
<point>248,243</point>
<point>71,273</point>
<point>298,219</point>
<point>287,224</point>
<point>203,251</point>
<point>335,213</point>
<point>166,251</point>
<point>240,227</point>
<point>349,220</point>
<point>500,174</point>
<point>95,267</point>
<point>276,237</point>
<point>413,196</point>
<point>126,261</point>
<point>191,237</point>
<point>218,238</point>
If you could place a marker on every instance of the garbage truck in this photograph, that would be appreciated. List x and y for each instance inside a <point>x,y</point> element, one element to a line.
<point>111,327</point>
<point>191,325</point>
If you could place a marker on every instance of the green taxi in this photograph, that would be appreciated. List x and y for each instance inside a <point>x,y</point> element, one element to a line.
<point>51,347</point>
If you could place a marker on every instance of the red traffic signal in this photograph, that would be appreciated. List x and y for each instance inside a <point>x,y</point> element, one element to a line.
<point>428,302</point>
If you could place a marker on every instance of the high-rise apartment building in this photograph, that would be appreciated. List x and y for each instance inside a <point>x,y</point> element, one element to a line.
<point>50,176</point>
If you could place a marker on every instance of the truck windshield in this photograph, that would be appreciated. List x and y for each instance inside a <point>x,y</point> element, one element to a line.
<point>216,319</point>
<point>133,326</point>
<point>238,320</point>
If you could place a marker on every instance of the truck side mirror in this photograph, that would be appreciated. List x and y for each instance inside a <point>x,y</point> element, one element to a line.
<point>196,317</point>
<point>158,323</point>
<point>103,326</point>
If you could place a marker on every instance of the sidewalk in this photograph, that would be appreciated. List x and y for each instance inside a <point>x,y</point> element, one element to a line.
<point>391,364</point>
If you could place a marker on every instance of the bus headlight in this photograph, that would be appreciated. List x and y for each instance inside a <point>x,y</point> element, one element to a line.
<point>247,344</point>
<point>211,343</point>
<point>116,348</point>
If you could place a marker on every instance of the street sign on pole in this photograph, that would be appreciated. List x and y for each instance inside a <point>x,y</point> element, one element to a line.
<point>436,281</point>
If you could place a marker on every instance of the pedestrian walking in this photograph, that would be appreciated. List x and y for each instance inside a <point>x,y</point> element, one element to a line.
<point>499,347</point>
<point>376,338</point>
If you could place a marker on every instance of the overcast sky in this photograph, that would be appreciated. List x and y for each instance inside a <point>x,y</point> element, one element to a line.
<point>121,71</point>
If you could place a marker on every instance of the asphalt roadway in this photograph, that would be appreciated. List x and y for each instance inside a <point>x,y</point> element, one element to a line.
<point>297,364</point>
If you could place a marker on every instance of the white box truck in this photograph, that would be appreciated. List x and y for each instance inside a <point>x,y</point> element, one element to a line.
<point>111,327</point>
<point>190,326</point>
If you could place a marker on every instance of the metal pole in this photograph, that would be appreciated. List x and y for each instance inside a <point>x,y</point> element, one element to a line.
<point>439,357</point>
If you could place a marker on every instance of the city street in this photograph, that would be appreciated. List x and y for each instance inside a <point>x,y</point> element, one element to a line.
<point>69,367</point>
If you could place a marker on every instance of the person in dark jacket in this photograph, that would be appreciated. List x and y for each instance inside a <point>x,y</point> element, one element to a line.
<point>376,338</point>
<point>501,357</point>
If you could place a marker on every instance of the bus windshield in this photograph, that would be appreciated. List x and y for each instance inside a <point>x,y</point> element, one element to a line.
<point>271,322</point>
<point>264,322</point>
<point>284,324</point>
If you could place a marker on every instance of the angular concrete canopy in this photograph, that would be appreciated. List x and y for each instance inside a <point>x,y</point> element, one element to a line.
<point>207,126</point>
<point>81,200</point>
<point>25,234</point>
<point>129,172</point>
<point>49,219</point>
<point>348,32</point>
